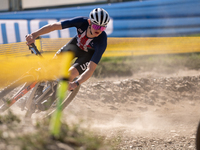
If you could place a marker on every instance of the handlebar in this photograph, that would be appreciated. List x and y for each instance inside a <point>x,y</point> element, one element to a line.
<point>34,49</point>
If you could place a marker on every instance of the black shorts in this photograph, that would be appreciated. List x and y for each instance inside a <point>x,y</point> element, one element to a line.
<point>83,57</point>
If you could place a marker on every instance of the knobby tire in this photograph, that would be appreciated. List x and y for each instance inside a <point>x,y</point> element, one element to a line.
<point>32,105</point>
<point>70,96</point>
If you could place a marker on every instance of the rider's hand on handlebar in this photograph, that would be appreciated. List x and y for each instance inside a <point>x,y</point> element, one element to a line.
<point>30,39</point>
<point>72,86</point>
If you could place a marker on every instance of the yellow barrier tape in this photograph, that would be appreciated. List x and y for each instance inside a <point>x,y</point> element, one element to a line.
<point>117,46</point>
<point>13,64</point>
<point>13,68</point>
<point>16,49</point>
<point>151,46</point>
<point>136,46</point>
<point>53,44</point>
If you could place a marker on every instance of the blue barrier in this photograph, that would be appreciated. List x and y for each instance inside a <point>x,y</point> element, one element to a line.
<point>150,18</point>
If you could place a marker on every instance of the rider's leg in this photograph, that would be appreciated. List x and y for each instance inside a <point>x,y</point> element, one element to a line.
<point>73,73</point>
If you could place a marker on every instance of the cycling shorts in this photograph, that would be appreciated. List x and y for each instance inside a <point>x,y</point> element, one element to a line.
<point>83,57</point>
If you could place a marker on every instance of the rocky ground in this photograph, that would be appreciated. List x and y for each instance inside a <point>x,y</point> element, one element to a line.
<point>147,111</point>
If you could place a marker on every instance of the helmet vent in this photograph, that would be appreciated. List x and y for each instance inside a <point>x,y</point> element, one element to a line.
<point>99,16</point>
<point>96,14</point>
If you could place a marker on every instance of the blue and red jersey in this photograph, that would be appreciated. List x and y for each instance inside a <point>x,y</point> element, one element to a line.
<point>97,44</point>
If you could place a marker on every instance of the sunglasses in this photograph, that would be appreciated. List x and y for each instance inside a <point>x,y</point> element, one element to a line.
<point>97,27</point>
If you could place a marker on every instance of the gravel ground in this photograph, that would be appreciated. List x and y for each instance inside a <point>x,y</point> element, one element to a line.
<point>150,113</point>
<point>147,111</point>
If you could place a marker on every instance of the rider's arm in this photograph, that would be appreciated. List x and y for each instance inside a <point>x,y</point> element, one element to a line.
<point>88,72</point>
<point>99,50</point>
<point>85,76</point>
<point>45,29</point>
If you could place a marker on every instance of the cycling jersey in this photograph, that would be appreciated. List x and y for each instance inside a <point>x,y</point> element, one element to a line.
<point>97,44</point>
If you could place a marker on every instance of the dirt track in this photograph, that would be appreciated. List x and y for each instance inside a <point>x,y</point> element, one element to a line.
<point>147,111</point>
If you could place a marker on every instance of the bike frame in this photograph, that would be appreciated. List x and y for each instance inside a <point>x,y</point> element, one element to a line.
<point>22,93</point>
<point>32,102</point>
<point>25,90</point>
<point>28,87</point>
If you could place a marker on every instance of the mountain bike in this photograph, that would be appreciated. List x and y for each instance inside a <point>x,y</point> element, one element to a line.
<point>41,95</point>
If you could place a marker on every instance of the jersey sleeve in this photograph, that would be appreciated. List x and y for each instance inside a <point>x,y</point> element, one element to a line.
<point>99,47</point>
<point>74,22</point>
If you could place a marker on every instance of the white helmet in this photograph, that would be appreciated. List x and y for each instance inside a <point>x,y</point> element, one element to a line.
<point>99,17</point>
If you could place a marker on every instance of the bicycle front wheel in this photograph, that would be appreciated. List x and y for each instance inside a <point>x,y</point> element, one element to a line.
<point>41,97</point>
<point>69,97</point>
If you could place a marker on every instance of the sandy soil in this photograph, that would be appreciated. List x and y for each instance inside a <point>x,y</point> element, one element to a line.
<point>147,111</point>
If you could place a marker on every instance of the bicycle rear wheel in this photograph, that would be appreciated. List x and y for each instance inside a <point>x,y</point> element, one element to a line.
<point>8,93</point>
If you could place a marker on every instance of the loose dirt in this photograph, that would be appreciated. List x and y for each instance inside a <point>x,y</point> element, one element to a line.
<point>145,111</point>
<point>148,111</point>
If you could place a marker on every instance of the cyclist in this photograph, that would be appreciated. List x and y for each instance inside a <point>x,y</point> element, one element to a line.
<point>89,44</point>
